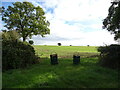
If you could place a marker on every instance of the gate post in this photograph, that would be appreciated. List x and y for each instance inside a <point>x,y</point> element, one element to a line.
<point>54,59</point>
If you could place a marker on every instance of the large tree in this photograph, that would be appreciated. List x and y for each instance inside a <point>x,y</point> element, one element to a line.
<point>112,21</point>
<point>26,19</point>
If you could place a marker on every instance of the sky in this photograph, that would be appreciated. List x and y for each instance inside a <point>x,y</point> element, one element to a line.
<point>73,22</point>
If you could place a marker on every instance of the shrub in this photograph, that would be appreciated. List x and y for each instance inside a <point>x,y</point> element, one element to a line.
<point>31,42</point>
<point>109,56</point>
<point>88,45</point>
<point>16,54</point>
<point>59,44</point>
<point>10,35</point>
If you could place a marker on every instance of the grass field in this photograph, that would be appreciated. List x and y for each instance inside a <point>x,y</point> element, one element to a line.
<point>88,74</point>
<point>65,51</point>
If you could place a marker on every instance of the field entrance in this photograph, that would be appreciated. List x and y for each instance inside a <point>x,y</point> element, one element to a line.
<point>88,74</point>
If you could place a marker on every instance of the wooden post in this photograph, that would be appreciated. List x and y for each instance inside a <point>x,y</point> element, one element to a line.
<point>76,59</point>
<point>54,59</point>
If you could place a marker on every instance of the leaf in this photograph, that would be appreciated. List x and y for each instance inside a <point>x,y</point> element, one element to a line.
<point>26,19</point>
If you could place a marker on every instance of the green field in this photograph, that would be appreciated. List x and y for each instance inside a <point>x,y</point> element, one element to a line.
<point>65,51</point>
<point>88,74</point>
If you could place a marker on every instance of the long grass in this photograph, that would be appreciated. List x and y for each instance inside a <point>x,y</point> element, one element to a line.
<point>88,74</point>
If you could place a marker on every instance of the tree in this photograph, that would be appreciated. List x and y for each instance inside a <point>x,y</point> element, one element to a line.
<point>26,19</point>
<point>59,44</point>
<point>31,42</point>
<point>112,21</point>
<point>109,56</point>
<point>88,45</point>
<point>10,35</point>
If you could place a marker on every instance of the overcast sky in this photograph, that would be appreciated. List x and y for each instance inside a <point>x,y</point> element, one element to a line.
<point>73,22</point>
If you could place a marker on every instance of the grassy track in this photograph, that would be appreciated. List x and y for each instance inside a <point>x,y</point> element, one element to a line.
<point>64,75</point>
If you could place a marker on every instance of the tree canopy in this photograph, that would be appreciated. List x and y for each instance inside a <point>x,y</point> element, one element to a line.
<point>112,21</point>
<point>26,19</point>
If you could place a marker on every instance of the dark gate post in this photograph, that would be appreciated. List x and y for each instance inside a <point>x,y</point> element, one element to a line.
<point>54,59</point>
<point>76,59</point>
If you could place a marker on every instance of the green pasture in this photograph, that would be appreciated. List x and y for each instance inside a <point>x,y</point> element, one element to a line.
<point>88,74</point>
<point>65,51</point>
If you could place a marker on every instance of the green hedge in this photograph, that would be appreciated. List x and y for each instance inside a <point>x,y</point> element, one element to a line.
<point>110,56</point>
<point>16,54</point>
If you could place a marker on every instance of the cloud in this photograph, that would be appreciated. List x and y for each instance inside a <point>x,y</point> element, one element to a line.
<point>75,35</point>
<point>81,20</point>
<point>79,10</point>
<point>90,38</point>
<point>76,22</point>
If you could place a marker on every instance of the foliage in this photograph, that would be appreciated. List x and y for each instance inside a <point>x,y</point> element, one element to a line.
<point>16,54</point>
<point>10,35</point>
<point>31,42</point>
<point>59,44</point>
<point>109,56</point>
<point>88,45</point>
<point>26,19</point>
<point>112,21</point>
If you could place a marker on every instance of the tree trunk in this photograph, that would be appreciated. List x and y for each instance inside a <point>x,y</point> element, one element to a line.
<point>24,39</point>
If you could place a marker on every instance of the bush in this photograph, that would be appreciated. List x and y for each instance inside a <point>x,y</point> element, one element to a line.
<point>110,56</point>
<point>31,42</point>
<point>16,54</point>
<point>59,44</point>
<point>10,35</point>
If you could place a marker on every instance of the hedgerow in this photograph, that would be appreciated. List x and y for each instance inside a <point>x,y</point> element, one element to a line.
<point>110,56</point>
